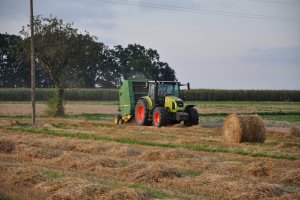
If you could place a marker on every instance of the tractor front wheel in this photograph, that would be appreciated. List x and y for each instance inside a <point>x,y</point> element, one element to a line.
<point>141,113</point>
<point>193,117</point>
<point>160,117</point>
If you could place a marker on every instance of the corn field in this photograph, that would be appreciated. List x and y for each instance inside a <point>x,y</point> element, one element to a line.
<point>241,95</point>
<point>84,94</point>
<point>74,94</point>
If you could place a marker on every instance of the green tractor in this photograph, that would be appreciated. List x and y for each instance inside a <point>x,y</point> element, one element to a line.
<point>154,102</point>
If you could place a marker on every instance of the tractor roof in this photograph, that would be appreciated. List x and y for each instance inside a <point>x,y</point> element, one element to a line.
<point>172,82</point>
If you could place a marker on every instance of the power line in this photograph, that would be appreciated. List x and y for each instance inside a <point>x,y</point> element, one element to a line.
<point>199,11</point>
<point>278,2</point>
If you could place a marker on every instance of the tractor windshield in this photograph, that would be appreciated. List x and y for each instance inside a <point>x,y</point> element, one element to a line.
<point>168,89</point>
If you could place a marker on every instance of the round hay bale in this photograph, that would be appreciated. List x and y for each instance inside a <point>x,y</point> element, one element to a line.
<point>244,128</point>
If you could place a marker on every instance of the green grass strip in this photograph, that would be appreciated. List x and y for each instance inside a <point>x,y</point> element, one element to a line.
<point>150,191</point>
<point>5,197</point>
<point>51,175</point>
<point>252,113</point>
<point>205,148</point>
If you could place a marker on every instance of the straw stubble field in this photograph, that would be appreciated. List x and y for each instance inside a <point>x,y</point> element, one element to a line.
<point>80,157</point>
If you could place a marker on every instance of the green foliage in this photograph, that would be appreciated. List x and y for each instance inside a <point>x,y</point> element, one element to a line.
<point>52,104</point>
<point>9,65</point>
<point>240,95</point>
<point>101,94</point>
<point>55,104</point>
<point>150,191</point>
<point>43,94</point>
<point>68,59</point>
<point>4,197</point>
<point>191,173</point>
<point>51,175</point>
<point>135,61</point>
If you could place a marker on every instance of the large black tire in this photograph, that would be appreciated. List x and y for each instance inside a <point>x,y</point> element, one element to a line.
<point>193,117</point>
<point>142,113</point>
<point>160,117</point>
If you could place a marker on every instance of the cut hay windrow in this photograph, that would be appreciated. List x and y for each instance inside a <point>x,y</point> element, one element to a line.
<point>197,147</point>
<point>244,128</point>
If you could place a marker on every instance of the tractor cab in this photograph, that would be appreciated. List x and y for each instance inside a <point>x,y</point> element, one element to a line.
<point>164,88</point>
<point>158,90</point>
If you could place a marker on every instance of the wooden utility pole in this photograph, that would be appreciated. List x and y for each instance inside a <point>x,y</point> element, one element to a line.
<point>32,64</point>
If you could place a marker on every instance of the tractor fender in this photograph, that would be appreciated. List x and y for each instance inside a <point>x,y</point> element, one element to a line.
<point>188,106</point>
<point>149,102</point>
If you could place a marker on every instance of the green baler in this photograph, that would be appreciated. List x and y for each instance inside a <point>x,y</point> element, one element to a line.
<point>129,94</point>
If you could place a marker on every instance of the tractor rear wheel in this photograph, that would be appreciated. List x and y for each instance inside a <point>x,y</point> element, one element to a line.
<point>193,117</point>
<point>160,117</point>
<point>141,113</point>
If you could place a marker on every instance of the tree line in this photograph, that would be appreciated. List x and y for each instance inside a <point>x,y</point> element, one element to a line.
<point>103,94</point>
<point>66,58</point>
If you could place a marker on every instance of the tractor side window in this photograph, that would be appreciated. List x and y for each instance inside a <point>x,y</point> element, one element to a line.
<point>151,90</point>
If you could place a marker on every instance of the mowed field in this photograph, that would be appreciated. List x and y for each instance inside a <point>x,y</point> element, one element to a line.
<point>85,156</point>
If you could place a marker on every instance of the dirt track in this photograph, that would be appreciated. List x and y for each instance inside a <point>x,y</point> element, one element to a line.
<point>39,166</point>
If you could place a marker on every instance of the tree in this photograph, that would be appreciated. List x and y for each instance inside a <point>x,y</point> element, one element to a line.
<point>135,60</point>
<point>60,50</point>
<point>13,71</point>
<point>109,72</point>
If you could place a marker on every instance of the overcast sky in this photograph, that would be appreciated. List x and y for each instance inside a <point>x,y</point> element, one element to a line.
<point>226,44</point>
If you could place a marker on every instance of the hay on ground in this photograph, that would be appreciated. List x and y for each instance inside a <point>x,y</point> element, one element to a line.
<point>72,188</point>
<point>156,172</point>
<point>126,194</point>
<point>291,177</point>
<point>283,145</point>
<point>152,156</point>
<point>244,128</point>
<point>295,131</point>
<point>26,177</point>
<point>263,191</point>
<point>128,151</point>
<point>258,169</point>
<point>6,146</point>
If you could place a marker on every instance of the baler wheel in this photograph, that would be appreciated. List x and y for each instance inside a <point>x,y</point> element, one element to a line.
<point>118,119</point>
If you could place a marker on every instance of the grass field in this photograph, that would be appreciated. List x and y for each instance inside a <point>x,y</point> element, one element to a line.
<point>85,156</point>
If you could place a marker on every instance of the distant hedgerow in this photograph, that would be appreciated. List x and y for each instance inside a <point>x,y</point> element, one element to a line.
<point>100,94</point>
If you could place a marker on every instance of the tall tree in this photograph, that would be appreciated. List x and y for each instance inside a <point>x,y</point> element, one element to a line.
<point>136,61</point>
<point>14,72</point>
<point>109,73</point>
<point>60,50</point>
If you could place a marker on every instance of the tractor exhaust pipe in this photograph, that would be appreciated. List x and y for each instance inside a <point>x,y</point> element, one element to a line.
<point>155,93</point>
